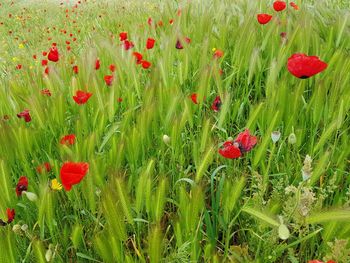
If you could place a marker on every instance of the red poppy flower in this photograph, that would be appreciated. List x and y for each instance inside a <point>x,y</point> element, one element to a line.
<point>246,141</point>
<point>112,67</point>
<point>120,100</point>
<point>303,66</point>
<point>53,54</point>
<point>108,79</point>
<point>218,53</point>
<point>230,150</point>
<point>47,70</point>
<point>171,21</point>
<point>19,66</point>
<point>25,115</point>
<point>294,5</point>
<point>123,36</point>
<point>187,40</point>
<point>82,97</point>
<point>145,64</point>
<point>264,18</point>
<point>138,57</point>
<point>44,53</point>
<point>279,5</point>
<point>45,166</point>
<point>44,62</point>
<point>22,185</point>
<point>179,45</point>
<point>149,21</point>
<point>216,104</point>
<point>10,217</point>
<point>128,44</point>
<point>75,69</point>
<point>46,92</point>
<point>97,64</point>
<point>68,139</point>
<point>150,43</point>
<point>194,98</point>
<point>72,173</point>
<point>34,57</point>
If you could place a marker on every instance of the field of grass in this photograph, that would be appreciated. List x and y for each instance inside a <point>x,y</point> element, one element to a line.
<point>149,180</point>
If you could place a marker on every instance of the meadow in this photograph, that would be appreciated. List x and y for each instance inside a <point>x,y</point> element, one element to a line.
<point>175,131</point>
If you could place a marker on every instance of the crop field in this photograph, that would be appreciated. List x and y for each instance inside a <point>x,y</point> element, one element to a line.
<point>163,131</point>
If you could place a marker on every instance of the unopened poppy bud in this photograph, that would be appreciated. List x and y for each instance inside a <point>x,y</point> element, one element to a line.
<point>48,255</point>
<point>275,136</point>
<point>24,228</point>
<point>31,196</point>
<point>16,228</point>
<point>166,139</point>
<point>292,139</point>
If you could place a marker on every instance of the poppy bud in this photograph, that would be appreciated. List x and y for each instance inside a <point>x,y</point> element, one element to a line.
<point>166,139</point>
<point>275,136</point>
<point>17,229</point>
<point>292,139</point>
<point>31,196</point>
<point>24,228</point>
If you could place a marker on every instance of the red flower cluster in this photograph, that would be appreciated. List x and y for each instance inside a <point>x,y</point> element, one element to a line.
<point>242,144</point>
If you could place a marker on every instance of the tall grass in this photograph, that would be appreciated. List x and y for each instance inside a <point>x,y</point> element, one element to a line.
<point>146,200</point>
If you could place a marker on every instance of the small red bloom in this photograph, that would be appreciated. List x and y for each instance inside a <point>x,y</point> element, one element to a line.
<point>75,69</point>
<point>194,98</point>
<point>45,166</point>
<point>149,21</point>
<point>230,150</point>
<point>97,64</point>
<point>279,5</point>
<point>82,97</point>
<point>68,139</point>
<point>46,92</point>
<point>128,44</point>
<point>294,5</point>
<point>218,53</point>
<point>112,67</point>
<point>246,141</point>
<point>10,215</point>
<point>53,54</point>
<point>264,18</point>
<point>108,79</point>
<point>179,45</point>
<point>22,185</point>
<point>146,64</point>
<point>216,104</point>
<point>120,100</point>
<point>187,40</point>
<point>72,173</point>
<point>25,115</point>
<point>150,43</point>
<point>47,70</point>
<point>44,62</point>
<point>123,36</point>
<point>304,66</point>
<point>138,57</point>
<point>19,66</point>
<point>44,53</point>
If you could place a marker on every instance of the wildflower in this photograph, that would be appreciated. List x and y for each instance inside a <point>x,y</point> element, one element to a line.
<point>108,79</point>
<point>20,46</point>
<point>68,139</point>
<point>294,5</point>
<point>128,44</point>
<point>55,185</point>
<point>275,136</point>
<point>179,45</point>
<point>72,173</point>
<point>216,104</point>
<point>75,69</point>
<point>194,98</point>
<point>97,64</point>
<point>112,67</point>
<point>22,185</point>
<point>279,5</point>
<point>146,64</point>
<point>304,66</point>
<point>44,62</point>
<point>82,97</point>
<point>10,217</point>
<point>46,166</point>
<point>246,141</point>
<point>25,115</point>
<point>307,168</point>
<point>218,53</point>
<point>53,54</point>
<point>123,36</point>
<point>230,150</point>
<point>19,66</point>
<point>46,92</point>
<point>138,57</point>
<point>150,43</point>
<point>264,18</point>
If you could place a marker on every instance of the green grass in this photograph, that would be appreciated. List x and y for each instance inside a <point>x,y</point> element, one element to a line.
<point>144,200</point>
